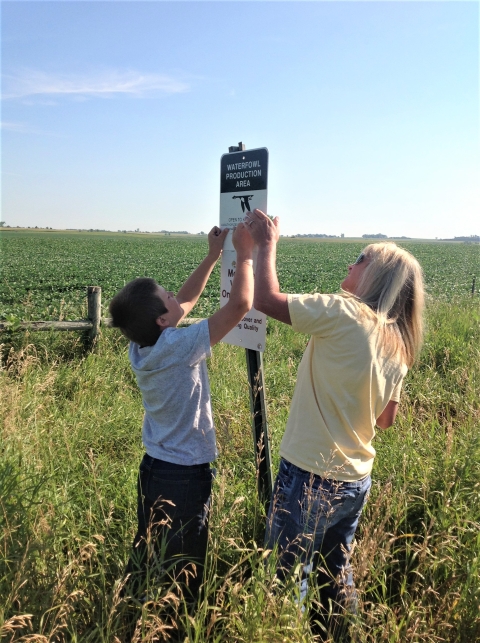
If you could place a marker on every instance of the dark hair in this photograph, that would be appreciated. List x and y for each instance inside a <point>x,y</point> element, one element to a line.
<point>134,310</point>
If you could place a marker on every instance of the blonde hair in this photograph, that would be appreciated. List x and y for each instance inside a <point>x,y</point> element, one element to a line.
<point>392,286</point>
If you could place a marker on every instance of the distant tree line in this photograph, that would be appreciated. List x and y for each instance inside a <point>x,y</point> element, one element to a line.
<point>323,236</point>
<point>473,237</point>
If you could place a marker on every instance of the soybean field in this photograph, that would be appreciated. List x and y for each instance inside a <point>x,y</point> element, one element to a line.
<point>44,275</point>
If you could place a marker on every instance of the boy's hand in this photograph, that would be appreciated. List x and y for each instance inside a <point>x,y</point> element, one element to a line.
<point>242,241</point>
<point>216,238</point>
<point>264,230</point>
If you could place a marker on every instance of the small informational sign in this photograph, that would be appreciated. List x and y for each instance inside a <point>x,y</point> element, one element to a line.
<point>243,187</point>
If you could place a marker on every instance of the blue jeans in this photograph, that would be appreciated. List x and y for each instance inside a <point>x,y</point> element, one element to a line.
<point>172,535</point>
<point>312,520</point>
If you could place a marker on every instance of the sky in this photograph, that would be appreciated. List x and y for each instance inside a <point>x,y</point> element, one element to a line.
<point>115,114</point>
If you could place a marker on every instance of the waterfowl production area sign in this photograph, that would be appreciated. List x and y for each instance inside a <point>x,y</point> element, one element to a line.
<point>243,187</point>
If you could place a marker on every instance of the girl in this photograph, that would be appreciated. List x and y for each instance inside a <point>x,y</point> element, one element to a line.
<point>362,342</point>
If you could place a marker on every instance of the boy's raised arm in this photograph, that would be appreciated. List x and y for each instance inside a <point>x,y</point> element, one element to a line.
<point>241,294</point>
<point>191,290</point>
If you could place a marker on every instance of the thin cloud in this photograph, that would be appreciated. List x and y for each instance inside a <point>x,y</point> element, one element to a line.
<point>13,127</point>
<point>30,83</point>
<point>24,128</point>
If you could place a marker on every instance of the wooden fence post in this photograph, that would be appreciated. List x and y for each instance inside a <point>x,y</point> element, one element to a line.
<point>473,285</point>
<point>94,311</point>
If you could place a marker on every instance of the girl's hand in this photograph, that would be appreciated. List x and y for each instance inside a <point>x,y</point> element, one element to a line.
<point>263,229</point>
<point>216,238</point>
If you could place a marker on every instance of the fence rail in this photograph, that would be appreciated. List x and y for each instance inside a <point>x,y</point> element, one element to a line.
<point>81,324</point>
<point>91,325</point>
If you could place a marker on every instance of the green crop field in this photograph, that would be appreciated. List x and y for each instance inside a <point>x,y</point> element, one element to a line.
<point>71,445</point>
<point>44,275</point>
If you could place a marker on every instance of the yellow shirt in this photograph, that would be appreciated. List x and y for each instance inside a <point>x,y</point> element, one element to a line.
<point>344,383</point>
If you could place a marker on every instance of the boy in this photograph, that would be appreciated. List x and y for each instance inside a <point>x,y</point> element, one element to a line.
<point>175,478</point>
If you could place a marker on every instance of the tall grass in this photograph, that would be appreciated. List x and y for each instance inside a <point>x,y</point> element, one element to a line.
<point>71,446</point>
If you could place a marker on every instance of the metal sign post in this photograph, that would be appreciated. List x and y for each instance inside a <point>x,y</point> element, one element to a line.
<point>261,438</point>
<point>243,187</point>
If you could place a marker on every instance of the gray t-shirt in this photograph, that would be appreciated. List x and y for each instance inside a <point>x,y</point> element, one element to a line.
<point>173,379</point>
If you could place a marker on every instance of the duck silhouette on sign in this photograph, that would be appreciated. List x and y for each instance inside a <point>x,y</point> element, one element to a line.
<point>244,201</point>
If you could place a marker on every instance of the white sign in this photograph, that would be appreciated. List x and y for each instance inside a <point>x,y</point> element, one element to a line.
<point>243,187</point>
